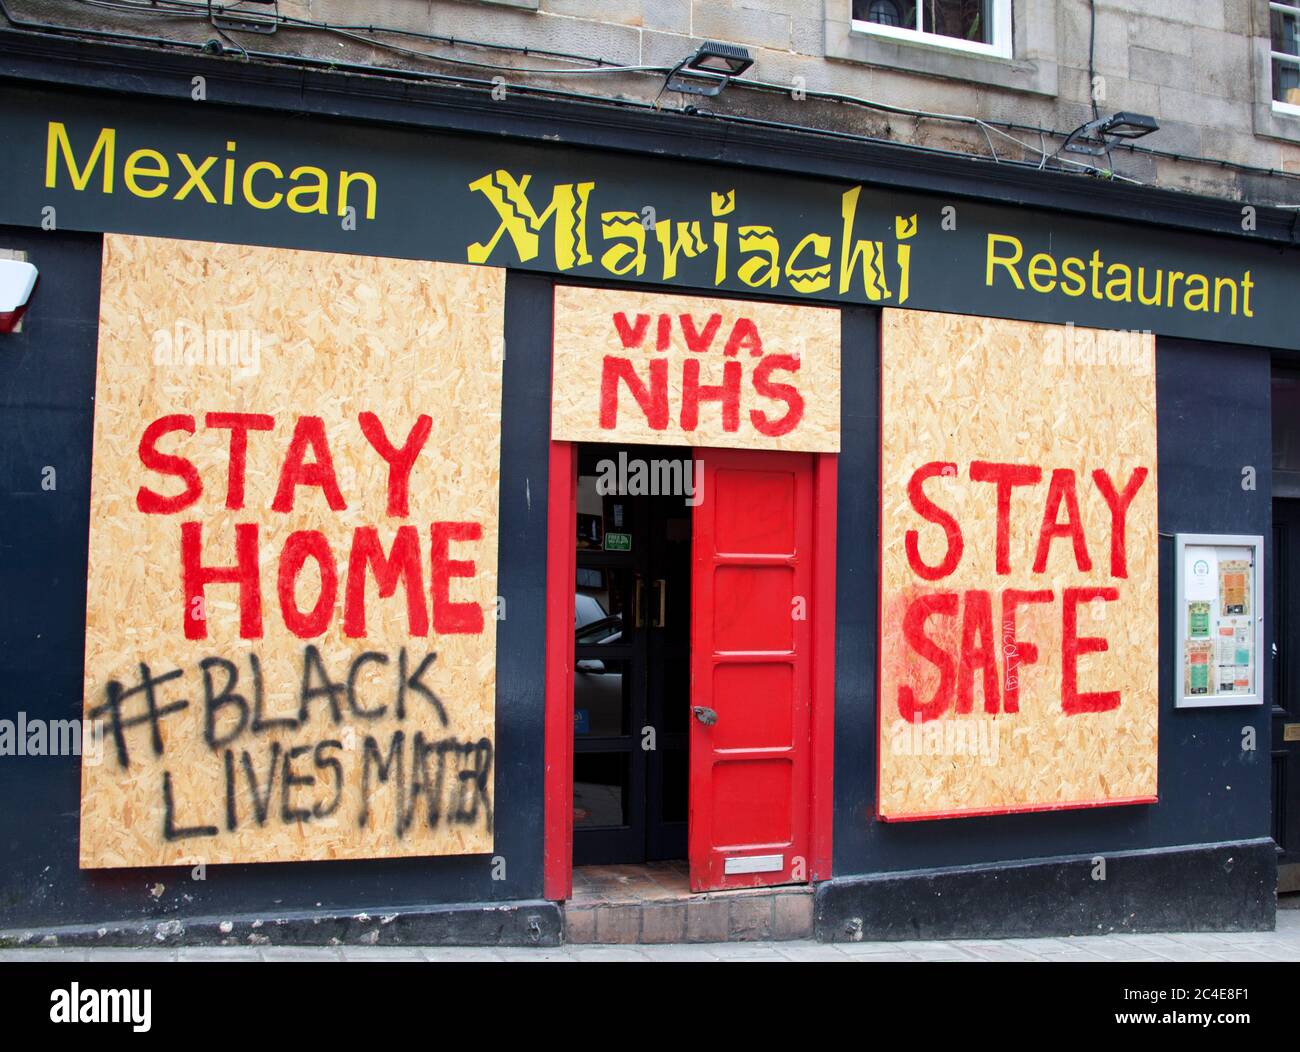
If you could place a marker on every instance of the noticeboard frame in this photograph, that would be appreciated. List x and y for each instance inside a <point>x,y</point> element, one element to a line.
<point>1255,543</point>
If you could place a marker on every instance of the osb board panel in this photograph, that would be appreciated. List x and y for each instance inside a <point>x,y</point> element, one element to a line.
<point>622,361</point>
<point>194,328</point>
<point>957,390</point>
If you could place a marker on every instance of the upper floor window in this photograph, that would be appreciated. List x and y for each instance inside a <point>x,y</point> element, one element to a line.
<point>1285,25</point>
<point>980,26</point>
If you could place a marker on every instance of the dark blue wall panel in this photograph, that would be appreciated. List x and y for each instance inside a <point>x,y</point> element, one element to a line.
<point>1213,420</point>
<point>47,381</point>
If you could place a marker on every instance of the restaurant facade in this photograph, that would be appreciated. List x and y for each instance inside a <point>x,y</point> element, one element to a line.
<point>411,496</point>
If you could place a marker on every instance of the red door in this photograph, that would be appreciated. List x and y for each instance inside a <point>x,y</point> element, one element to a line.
<point>751,669</point>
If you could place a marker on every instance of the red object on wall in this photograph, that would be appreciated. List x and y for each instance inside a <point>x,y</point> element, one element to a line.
<point>17,285</point>
<point>752,671</point>
<point>825,563</point>
<point>561,514</point>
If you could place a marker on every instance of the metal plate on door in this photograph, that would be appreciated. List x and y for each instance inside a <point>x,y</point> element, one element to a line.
<point>754,864</point>
<point>1291,732</point>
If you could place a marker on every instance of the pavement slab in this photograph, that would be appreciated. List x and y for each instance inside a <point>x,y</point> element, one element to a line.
<point>1282,944</point>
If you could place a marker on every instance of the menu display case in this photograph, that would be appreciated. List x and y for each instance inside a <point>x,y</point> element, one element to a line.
<point>1220,620</point>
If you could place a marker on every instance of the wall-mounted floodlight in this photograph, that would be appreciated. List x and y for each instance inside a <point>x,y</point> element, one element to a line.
<point>17,279</point>
<point>731,60</point>
<point>1128,125</point>
<point>709,69</point>
<point>1095,137</point>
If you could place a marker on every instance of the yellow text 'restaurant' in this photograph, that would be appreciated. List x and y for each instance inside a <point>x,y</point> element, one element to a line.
<point>1114,281</point>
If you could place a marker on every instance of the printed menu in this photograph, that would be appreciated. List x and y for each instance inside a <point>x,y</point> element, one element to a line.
<point>1218,621</point>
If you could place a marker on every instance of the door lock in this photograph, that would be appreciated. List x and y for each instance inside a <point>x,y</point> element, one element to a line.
<point>705,715</point>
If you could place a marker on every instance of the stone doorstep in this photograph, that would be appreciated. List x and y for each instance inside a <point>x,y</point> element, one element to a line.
<point>741,916</point>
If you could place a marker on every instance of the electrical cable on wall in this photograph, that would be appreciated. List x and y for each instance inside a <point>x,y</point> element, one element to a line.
<point>190,9</point>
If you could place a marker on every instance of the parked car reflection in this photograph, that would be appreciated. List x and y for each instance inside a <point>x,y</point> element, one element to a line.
<point>599,708</point>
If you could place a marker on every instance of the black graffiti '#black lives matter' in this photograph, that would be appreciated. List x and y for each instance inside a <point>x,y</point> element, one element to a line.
<point>293,768</point>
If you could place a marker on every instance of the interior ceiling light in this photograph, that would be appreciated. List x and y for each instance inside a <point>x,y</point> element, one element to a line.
<point>709,69</point>
<point>1095,137</point>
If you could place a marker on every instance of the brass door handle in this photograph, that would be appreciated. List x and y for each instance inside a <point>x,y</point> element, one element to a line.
<point>637,619</point>
<point>705,715</point>
<point>662,585</point>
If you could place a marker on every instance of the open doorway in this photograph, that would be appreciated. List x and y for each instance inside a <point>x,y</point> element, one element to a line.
<point>1286,631</point>
<point>631,671</point>
<point>690,668</point>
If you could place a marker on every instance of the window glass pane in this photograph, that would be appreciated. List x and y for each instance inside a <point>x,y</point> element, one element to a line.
<point>1286,32</point>
<point>1286,434</point>
<point>963,19</point>
<point>676,785</point>
<point>600,789</point>
<point>677,692</point>
<point>602,700</point>
<point>602,606</point>
<point>1286,81</point>
<point>600,515</point>
<point>896,13</point>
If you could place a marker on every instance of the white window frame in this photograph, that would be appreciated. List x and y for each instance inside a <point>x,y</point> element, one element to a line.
<point>1289,108</point>
<point>1000,48</point>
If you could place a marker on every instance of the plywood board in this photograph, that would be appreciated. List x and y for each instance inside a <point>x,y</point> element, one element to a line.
<point>992,699</point>
<point>645,367</point>
<point>299,712</point>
